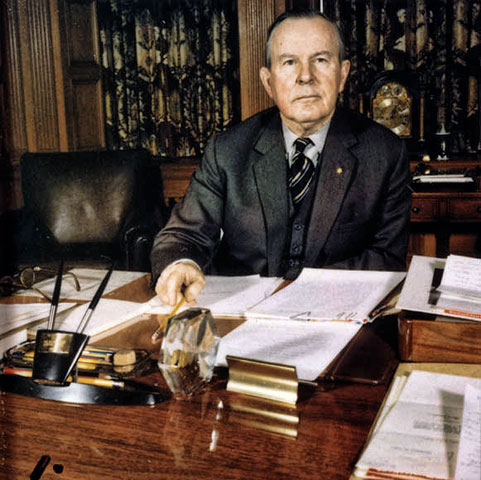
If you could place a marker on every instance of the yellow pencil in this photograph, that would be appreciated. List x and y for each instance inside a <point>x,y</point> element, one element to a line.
<point>100,382</point>
<point>160,329</point>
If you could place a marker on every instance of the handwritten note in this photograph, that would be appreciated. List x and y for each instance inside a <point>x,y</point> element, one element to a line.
<point>468,466</point>
<point>420,433</point>
<point>462,276</point>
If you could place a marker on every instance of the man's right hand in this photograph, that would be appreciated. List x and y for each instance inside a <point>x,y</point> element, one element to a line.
<point>181,279</point>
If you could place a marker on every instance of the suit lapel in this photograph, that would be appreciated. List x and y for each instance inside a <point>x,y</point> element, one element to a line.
<point>270,173</point>
<point>335,175</point>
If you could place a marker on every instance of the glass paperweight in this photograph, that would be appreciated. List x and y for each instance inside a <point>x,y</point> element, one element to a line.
<point>188,351</point>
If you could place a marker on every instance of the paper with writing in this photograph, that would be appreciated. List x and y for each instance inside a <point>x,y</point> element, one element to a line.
<point>462,276</point>
<point>309,346</point>
<point>324,294</point>
<point>420,292</point>
<point>468,465</point>
<point>419,434</point>
<point>227,296</point>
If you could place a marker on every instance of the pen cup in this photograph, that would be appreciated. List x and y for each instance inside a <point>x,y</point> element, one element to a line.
<point>188,352</point>
<point>56,353</point>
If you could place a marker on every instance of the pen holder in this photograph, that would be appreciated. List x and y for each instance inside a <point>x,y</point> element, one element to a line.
<point>56,353</point>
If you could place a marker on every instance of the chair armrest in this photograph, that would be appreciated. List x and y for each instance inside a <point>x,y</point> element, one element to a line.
<point>136,246</point>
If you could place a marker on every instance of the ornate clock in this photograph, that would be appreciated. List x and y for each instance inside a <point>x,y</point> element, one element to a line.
<point>392,107</point>
<point>396,103</point>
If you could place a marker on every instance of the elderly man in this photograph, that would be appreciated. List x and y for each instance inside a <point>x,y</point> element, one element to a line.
<point>302,184</point>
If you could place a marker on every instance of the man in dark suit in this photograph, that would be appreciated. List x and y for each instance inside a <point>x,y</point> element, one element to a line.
<point>300,184</point>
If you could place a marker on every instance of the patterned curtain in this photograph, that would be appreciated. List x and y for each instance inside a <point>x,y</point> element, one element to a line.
<point>430,38</point>
<point>170,72</point>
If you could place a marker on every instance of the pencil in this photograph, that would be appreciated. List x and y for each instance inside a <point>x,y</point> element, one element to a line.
<point>160,329</point>
<point>99,382</point>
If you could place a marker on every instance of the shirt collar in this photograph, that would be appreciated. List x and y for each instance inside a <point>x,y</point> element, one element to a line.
<point>312,151</point>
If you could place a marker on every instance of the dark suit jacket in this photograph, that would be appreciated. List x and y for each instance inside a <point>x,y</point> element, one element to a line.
<point>235,214</point>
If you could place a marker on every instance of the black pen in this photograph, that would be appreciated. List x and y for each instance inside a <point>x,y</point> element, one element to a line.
<point>55,297</point>
<point>88,313</point>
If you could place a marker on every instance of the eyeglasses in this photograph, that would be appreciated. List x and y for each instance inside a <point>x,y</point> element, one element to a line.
<point>27,277</point>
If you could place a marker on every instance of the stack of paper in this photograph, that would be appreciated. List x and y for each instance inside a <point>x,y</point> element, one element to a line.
<point>449,287</point>
<point>308,346</point>
<point>227,296</point>
<point>323,294</point>
<point>418,432</point>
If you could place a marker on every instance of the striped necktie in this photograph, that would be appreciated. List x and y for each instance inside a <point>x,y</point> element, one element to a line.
<point>301,171</point>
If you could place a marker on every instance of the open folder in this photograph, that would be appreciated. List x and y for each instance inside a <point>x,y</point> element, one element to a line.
<point>448,287</point>
<point>329,294</point>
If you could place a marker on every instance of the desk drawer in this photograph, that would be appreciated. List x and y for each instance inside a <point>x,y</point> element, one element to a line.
<point>465,210</point>
<point>424,209</point>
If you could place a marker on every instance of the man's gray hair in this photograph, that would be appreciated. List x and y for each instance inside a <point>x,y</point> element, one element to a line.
<point>302,14</point>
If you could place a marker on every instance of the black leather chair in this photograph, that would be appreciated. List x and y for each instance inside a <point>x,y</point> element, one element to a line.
<point>81,206</point>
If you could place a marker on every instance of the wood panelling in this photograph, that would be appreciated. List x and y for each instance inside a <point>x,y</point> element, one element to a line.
<point>54,84</point>
<point>83,75</point>
<point>13,72</point>
<point>254,18</point>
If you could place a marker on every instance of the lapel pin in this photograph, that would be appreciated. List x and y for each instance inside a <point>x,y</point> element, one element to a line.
<point>339,170</point>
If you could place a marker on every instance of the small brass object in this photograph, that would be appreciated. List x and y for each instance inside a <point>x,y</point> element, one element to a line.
<point>271,381</point>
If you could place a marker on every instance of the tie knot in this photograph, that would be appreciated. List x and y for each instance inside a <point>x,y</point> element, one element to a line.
<point>301,143</point>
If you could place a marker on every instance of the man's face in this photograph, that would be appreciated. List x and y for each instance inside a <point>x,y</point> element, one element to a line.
<point>306,76</point>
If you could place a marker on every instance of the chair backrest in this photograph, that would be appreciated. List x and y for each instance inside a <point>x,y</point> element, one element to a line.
<point>85,197</point>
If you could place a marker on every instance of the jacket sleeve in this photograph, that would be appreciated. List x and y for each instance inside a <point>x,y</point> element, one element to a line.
<point>193,230</point>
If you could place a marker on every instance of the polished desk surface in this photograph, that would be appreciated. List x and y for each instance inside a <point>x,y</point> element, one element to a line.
<point>186,439</point>
<point>207,436</point>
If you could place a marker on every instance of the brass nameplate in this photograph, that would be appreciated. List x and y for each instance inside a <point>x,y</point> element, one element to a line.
<point>272,381</point>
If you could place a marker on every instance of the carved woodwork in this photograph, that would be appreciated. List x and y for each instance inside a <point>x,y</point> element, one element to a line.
<point>53,74</point>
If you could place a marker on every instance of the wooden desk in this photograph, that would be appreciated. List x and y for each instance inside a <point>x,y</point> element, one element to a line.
<point>188,439</point>
<point>444,222</point>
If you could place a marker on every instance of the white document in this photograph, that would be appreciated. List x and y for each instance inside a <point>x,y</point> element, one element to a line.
<point>468,465</point>
<point>16,318</point>
<point>449,178</point>
<point>419,434</point>
<point>324,294</point>
<point>108,314</point>
<point>89,279</point>
<point>420,292</point>
<point>462,276</point>
<point>227,296</point>
<point>309,346</point>
<point>16,315</point>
